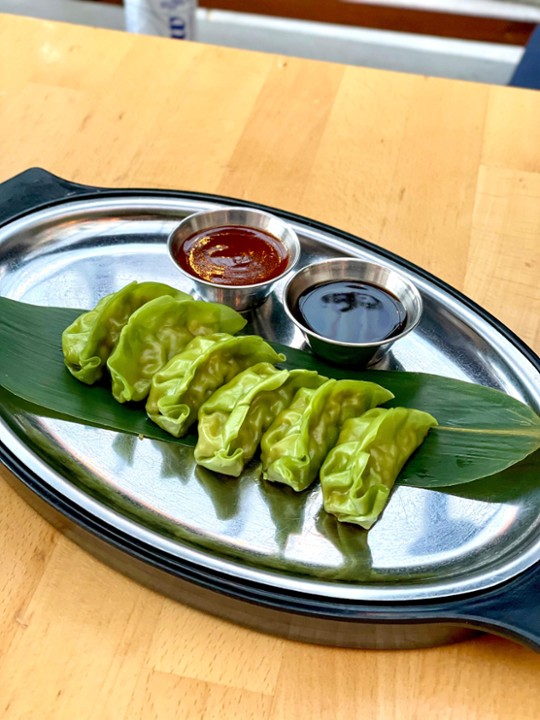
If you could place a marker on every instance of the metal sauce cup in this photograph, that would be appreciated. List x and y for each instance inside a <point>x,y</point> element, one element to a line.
<point>239,297</point>
<point>351,353</point>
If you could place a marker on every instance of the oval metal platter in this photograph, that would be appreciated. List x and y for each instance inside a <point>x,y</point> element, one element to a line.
<point>427,545</point>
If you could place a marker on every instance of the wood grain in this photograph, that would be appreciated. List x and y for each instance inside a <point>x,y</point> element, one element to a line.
<point>444,173</point>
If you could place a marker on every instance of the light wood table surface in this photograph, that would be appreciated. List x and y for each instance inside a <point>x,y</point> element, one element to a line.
<point>444,173</point>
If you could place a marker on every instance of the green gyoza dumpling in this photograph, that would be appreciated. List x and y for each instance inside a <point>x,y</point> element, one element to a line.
<point>190,378</point>
<point>232,421</point>
<point>359,472</point>
<point>295,445</point>
<point>90,339</point>
<point>157,332</point>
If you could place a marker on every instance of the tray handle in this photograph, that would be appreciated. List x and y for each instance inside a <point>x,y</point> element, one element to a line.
<point>35,188</point>
<point>511,610</point>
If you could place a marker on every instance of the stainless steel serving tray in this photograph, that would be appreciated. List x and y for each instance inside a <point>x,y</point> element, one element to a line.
<point>281,562</point>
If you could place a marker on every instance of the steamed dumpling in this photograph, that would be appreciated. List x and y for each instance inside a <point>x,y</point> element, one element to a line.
<point>89,340</point>
<point>233,420</point>
<point>191,377</point>
<point>295,445</point>
<point>359,472</point>
<point>157,332</point>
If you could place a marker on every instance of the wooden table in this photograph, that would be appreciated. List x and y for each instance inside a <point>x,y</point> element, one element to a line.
<point>444,173</point>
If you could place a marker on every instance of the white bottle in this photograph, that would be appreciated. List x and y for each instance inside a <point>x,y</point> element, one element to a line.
<point>170,18</point>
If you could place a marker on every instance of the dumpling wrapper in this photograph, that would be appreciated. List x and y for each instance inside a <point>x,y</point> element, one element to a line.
<point>233,420</point>
<point>90,339</point>
<point>297,442</point>
<point>191,377</point>
<point>157,332</point>
<point>360,471</point>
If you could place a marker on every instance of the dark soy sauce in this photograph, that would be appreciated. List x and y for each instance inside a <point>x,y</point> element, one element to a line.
<point>351,311</point>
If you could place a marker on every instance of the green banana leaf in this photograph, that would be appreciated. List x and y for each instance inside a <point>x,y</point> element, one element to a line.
<point>481,432</point>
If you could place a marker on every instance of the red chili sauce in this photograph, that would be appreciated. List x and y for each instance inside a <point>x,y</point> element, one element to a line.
<point>233,255</point>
